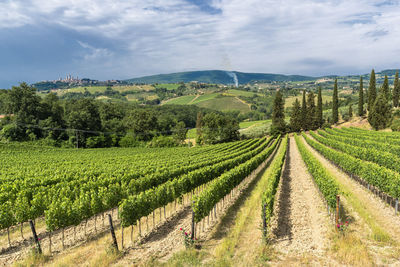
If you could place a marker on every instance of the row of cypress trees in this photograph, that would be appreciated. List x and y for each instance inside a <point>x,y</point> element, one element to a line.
<point>308,116</point>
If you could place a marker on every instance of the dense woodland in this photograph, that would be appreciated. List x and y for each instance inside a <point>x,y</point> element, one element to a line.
<point>85,122</point>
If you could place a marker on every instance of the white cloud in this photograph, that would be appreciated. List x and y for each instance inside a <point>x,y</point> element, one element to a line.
<point>306,37</point>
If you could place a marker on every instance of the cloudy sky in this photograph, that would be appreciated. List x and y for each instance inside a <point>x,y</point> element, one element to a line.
<point>120,39</point>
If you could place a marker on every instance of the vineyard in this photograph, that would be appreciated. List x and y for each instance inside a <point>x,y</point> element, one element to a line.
<point>328,196</point>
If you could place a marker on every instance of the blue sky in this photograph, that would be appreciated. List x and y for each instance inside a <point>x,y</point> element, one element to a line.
<point>119,39</point>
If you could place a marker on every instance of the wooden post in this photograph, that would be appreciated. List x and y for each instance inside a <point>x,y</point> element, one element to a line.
<point>115,244</point>
<point>397,206</point>
<point>264,221</point>
<point>35,237</point>
<point>193,224</point>
<point>337,209</point>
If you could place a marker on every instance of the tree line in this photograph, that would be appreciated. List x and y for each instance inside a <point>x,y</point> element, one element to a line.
<point>86,122</point>
<point>309,116</point>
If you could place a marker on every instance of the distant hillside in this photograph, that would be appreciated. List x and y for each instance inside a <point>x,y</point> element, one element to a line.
<point>217,77</point>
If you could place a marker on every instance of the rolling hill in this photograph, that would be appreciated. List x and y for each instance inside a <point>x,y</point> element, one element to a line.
<point>217,77</point>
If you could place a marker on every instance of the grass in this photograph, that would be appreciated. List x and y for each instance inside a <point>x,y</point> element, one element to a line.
<point>246,124</point>
<point>243,244</point>
<point>290,100</point>
<point>168,86</point>
<point>236,92</point>
<point>205,97</point>
<point>377,232</point>
<point>182,100</point>
<point>349,249</point>
<point>223,104</point>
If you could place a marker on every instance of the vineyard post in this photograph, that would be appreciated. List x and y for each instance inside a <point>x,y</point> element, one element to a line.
<point>192,235</point>
<point>337,209</point>
<point>397,206</point>
<point>35,237</point>
<point>264,221</point>
<point>112,232</point>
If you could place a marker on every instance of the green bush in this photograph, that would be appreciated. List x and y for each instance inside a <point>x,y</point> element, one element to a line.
<point>395,125</point>
<point>162,141</point>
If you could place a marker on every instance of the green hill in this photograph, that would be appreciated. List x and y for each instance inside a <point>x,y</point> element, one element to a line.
<point>217,77</point>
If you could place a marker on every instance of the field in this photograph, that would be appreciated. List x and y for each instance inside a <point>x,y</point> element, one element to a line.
<point>239,195</point>
<point>182,100</point>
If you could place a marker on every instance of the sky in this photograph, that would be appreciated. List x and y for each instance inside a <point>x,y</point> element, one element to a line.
<point>121,39</point>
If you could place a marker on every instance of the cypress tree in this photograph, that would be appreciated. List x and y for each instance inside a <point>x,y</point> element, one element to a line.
<point>335,104</point>
<point>304,112</point>
<point>199,128</point>
<point>385,88</point>
<point>295,117</point>
<point>380,114</point>
<point>396,90</point>
<point>319,108</point>
<point>311,112</point>
<point>371,90</point>
<point>361,98</point>
<point>278,114</point>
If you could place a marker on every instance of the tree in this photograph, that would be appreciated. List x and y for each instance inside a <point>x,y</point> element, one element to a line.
<point>304,112</point>
<point>335,104</point>
<point>396,90</point>
<point>350,111</point>
<point>380,114</point>
<point>180,132</point>
<point>142,123</point>
<point>199,126</point>
<point>311,112</point>
<point>319,108</point>
<point>371,90</point>
<point>385,88</point>
<point>278,114</point>
<point>219,128</point>
<point>295,117</point>
<point>361,98</point>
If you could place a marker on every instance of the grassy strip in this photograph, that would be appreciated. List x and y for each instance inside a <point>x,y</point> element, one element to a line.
<point>226,250</point>
<point>324,180</point>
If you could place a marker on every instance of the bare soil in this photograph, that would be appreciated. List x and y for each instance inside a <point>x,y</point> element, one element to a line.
<point>300,225</point>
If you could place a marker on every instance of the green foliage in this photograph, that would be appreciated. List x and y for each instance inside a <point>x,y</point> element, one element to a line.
<point>311,119</point>
<point>179,132</point>
<point>304,112</point>
<point>324,180</point>
<point>395,125</point>
<point>361,98</point>
<point>162,141</point>
<point>143,203</point>
<point>396,90</point>
<point>381,113</point>
<point>371,90</point>
<point>385,88</point>
<point>335,104</point>
<point>220,187</point>
<point>319,114</point>
<point>218,128</point>
<point>350,111</point>
<point>268,196</point>
<point>384,179</point>
<point>278,115</point>
<point>380,157</point>
<point>295,117</point>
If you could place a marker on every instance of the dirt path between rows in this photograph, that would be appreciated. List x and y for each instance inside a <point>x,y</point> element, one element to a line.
<point>383,214</point>
<point>300,225</point>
